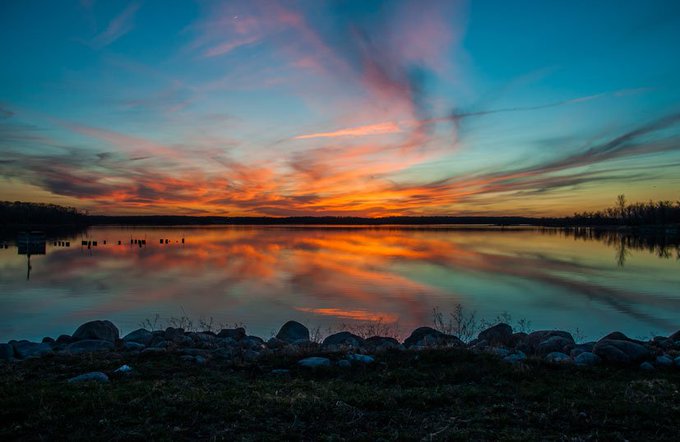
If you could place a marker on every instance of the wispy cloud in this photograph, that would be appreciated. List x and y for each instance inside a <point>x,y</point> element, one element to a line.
<point>117,27</point>
<point>371,129</point>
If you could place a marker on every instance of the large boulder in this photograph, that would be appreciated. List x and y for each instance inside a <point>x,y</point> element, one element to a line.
<point>429,337</point>
<point>554,344</point>
<point>381,343</point>
<point>64,339</point>
<point>587,358</point>
<point>499,334</point>
<point>620,352</point>
<point>93,376</point>
<point>89,346</point>
<point>140,336</point>
<point>293,331</point>
<point>314,362</point>
<point>27,349</point>
<point>675,336</point>
<point>535,338</point>
<point>173,334</point>
<point>100,330</point>
<point>237,333</point>
<point>618,336</point>
<point>664,361</point>
<point>344,338</point>
<point>557,357</point>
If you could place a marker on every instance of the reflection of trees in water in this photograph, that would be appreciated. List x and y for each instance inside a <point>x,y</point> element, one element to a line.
<point>663,244</point>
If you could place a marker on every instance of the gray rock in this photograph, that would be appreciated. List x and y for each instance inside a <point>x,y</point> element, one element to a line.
<point>664,343</point>
<point>646,366</point>
<point>344,363</point>
<point>518,338</point>
<point>99,330</point>
<point>515,358</point>
<point>251,355</point>
<point>224,353</point>
<point>380,343</point>
<point>89,346</point>
<point>140,336</point>
<point>159,344</point>
<point>183,341</point>
<point>64,339</point>
<point>364,359</point>
<point>581,348</point>
<point>124,369</point>
<point>195,351</point>
<point>6,352</point>
<point>200,360</point>
<point>676,362</point>
<point>553,344</point>
<point>153,351</point>
<point>557,357</point>
<point>93,376</point>
<point>252,342</point>
<point>314,362</point>
<point>664,361</point>
<point>293,331</point>
<point>133,346</point>
<point>173,334</point>
<point>534,338</point>
<point>27,349</point>
<point>587,358</point>
<point>620,352</point>
<point>203,339</point>
<point>478,345</point>
<point>675,336</point>
<point>234,333</point>
<point>343,339</point>
<point>499,334</point>
<point>276,343</point>
<point>48,340</point>
<point>618,336</point>
<point>498,351</point>
<point>429,337</point>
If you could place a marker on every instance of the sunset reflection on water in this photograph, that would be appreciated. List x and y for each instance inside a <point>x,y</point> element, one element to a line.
<point>264,276</point>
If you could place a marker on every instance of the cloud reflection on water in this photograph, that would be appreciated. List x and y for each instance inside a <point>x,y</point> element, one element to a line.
<point>264,276</point>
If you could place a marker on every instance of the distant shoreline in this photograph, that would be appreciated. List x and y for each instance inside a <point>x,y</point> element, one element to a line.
<point>402,223</point>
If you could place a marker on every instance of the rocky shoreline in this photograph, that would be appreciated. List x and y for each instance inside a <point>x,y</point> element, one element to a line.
<point>345,349</point>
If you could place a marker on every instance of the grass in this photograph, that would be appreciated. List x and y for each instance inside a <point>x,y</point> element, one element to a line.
<point>429,395</point>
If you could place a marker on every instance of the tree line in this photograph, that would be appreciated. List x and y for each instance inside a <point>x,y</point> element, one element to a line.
<point>635,214</point>
<point>37,214</point>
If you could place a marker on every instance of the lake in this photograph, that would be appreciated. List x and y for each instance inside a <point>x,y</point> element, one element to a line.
<point>329,276</point>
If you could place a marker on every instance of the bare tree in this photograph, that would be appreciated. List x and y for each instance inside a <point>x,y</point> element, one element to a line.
<point>621,205</point>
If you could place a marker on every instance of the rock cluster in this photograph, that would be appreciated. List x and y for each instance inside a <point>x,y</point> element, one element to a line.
<point>293,340</point>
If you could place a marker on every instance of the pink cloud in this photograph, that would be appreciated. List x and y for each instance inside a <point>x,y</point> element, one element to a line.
<point>371,129</point>
<point>118,27</point>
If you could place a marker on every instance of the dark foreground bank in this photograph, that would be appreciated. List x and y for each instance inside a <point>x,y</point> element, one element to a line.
<point>172,384</point>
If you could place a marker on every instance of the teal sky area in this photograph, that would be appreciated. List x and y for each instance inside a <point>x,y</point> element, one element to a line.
<point>365,108</point>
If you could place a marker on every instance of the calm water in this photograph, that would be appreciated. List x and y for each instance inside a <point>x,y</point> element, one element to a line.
<point>263,276</point>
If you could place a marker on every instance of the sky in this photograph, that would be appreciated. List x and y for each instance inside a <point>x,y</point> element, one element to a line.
<point>347,108</point>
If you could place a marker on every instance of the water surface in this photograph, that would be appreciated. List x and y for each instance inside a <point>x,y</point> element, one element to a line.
<point>264,276</point>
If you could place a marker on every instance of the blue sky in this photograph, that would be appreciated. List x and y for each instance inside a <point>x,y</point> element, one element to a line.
<point>339,107</point>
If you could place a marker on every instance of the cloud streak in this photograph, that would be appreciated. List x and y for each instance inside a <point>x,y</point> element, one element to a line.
<point>120,25</point>
<point>372,129</point>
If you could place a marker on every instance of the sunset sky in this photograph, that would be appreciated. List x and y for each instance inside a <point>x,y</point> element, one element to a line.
<point>364,108</point>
